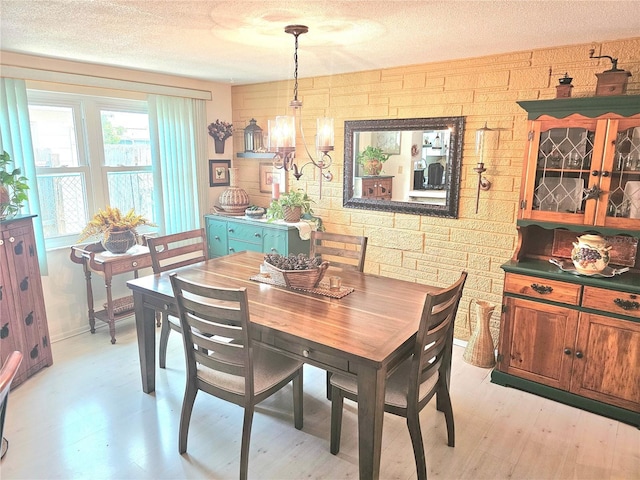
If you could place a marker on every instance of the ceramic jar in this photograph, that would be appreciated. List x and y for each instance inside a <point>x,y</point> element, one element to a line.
<point>590,254</point>
<point>234,200</point>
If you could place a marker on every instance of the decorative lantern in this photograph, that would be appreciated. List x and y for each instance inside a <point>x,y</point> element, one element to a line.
<point>252,137</point>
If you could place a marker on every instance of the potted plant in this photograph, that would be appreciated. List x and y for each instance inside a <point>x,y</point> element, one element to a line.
<point>290,206</point>
<point>371,159</point>
<point>13,188</point>
<point>118,231</point>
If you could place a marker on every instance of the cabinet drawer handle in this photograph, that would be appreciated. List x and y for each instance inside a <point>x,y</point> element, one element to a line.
<point>12,239</point>
<point>216,237</point>
<point>1,242</point>
<point>579,354</point>
<point>567,351</point>
<point>134,264</point>
<point>541,289</point>
<point>257,235</point>
<point>274,250</point>
<point>232,249</point>
<point>305,353</point>
<point>231,230</point>
<point>626,304</point>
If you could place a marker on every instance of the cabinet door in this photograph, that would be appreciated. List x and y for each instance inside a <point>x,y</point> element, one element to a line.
<point>275,241</point>
<point>607,361</point>
<point>619,202</point>
<point>29,316</point>
<point>217,237</point>
<point>11,334</point>
<point>561,156</point>
<point>537,342</point>
<point>384,188</point>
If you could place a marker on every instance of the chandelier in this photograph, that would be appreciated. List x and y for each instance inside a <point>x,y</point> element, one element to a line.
<point>282,130</point>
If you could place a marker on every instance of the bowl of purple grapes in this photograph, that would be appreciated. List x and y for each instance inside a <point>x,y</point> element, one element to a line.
<point>590,255</point>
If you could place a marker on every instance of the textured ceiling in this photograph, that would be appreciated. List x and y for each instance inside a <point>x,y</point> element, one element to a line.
<point>242,41</point>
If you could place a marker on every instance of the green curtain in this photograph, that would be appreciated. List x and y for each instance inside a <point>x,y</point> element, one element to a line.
<point>178,147</point>
<point>15,139</point>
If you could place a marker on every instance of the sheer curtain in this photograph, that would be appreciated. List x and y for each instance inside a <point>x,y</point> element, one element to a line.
<point>179,150</point>
<point>15,139</point>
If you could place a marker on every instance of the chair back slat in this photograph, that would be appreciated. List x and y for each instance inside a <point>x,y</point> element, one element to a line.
<point>335,248</point>
<point>435,334</point>
<point>177,250</point>
<point>215,328</point>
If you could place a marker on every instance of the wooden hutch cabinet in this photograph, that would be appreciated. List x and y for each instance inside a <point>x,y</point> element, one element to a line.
<point>576,338</point>
<point>23,319</point>
<point>375,187</point>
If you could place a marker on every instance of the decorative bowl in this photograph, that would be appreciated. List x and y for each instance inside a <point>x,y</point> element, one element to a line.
<point>254,212</point>
<point>303,279</point>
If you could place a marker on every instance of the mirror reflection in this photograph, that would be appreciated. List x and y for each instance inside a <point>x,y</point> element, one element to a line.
<point>404,165</point>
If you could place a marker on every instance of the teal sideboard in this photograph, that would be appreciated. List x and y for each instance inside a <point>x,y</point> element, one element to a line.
<point>227,235</point>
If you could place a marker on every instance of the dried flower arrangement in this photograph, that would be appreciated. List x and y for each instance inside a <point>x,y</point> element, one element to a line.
<point>220,130</point>
<point>111,220</point>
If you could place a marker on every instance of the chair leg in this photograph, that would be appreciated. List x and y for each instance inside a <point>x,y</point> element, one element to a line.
<point>447,409</point>
<point>413,423</point>
<point>185,416</point>
<point>164,340</point>
<point>329,386</point>
<point>337,403</point>
<point>246,438</point>
<point>298,405</point>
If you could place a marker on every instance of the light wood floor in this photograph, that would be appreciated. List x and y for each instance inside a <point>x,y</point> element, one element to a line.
<point>87,417</point>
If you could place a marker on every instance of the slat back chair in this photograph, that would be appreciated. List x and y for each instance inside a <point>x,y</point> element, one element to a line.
<point>345,251</point>
<point>412,385</point>
<point>7,374</point>
<point>169,252</point>
<point>222,360</point>
<point>331,247</point>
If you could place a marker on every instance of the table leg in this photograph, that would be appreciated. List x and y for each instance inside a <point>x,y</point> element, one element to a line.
<point>145,328</point>
<point>92,316</point>
<point>371,387</point>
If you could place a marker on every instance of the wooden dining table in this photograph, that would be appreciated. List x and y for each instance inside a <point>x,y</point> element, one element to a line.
<point>366,333</point>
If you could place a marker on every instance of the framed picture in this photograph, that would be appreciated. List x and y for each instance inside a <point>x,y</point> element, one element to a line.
<point>219,173</point>
<point>270,176</point>
<point>389,142</point>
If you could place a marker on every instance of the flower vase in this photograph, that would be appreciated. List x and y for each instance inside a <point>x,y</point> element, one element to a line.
<point>119,242</point>
<point>219,145</point>
<point>234,200</point>
<point>480,350</point>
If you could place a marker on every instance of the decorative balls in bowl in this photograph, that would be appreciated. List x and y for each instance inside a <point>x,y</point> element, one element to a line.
<point>254,211</point>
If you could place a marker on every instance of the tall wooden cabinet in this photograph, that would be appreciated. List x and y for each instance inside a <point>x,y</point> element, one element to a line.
<point>571,337</point>
<point>23,319</point>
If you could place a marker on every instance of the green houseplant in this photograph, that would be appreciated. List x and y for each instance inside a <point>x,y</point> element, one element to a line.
<point>290,206</point>
<point>13,187</point>
<point>371,159</point>
<point>118,231</point>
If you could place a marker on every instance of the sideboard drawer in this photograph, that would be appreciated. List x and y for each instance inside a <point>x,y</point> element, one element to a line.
<point>136,263</point>
<point>248,233</point>
<point>541,288</point>
<point>611,301</point>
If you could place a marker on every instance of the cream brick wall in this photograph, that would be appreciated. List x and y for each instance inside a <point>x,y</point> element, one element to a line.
<point>423,249</point>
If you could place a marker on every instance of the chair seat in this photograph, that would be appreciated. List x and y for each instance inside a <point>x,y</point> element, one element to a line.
<point>268,369</point>
<point>397,385</point>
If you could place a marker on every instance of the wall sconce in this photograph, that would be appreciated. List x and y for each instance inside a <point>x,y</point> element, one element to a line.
<point>282,131</point>
<point>481,148</point>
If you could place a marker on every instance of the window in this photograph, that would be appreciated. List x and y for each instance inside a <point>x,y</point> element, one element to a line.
<point>89,152</point>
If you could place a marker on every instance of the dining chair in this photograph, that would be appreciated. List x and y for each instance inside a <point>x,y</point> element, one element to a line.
<point>415,381</point>
<point>222,359</point>
<point>169,252</point>
<point>8,372</point>
<point>334,247</point>
<point>328,246</point>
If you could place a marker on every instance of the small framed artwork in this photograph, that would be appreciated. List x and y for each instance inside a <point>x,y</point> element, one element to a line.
<point>267,178</point>
<point>389,142</point>
<point>219,173</point>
